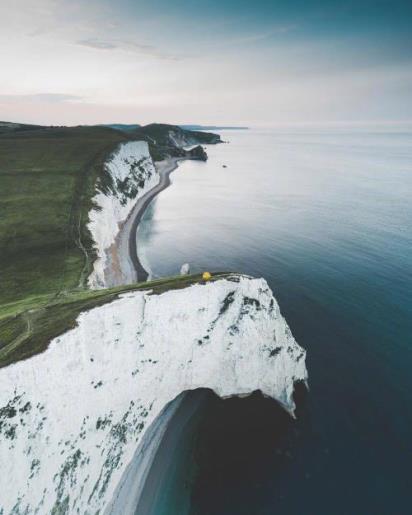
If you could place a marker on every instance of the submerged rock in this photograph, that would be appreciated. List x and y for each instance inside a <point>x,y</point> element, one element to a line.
<point>73,418</point>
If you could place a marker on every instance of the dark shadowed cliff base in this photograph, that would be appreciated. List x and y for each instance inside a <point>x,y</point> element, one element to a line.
<point>215,455</point>
<point>242,443</point>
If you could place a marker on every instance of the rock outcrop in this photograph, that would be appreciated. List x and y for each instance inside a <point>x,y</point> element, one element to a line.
<point>197,153</point>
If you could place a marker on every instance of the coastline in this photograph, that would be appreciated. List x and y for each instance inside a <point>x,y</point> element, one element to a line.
<point>167,485</point>
<point>123,264</point>
<point>146,480</point>
<point>145,475</point>
<point>165,169</point>
<point>142,478</point>
<point>129,492</point>
<point>149,483</point>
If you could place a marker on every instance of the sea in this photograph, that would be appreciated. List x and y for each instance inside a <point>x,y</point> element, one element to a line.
<point>324,214</point>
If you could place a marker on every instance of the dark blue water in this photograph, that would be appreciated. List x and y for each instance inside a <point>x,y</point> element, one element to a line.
<point>326,217</point>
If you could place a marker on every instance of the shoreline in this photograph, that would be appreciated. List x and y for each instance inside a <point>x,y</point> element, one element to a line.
<point>123,265</point>
<point>148,480</point>
<point>165,169</point>
<point>145,474</point>
<point>139,488</point>
<point>168,459</point>
<point>129,492</point>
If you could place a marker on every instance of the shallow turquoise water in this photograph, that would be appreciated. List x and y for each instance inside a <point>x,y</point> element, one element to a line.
<point>326,217</point>
<point>169,483</point>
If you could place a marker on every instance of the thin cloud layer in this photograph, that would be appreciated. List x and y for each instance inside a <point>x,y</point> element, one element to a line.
<point>97,44</point>
<point>222,63</point>
<point>131,46</point>
<point>45,98</point>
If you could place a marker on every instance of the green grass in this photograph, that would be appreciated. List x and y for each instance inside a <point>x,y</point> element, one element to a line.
<point>47,180</point>
<point>27,326</point>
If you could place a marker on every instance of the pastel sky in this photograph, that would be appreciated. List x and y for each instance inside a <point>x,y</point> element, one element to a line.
<point>211,61</point>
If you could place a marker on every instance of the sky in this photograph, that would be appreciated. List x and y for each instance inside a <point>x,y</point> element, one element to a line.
<point>221,62</point>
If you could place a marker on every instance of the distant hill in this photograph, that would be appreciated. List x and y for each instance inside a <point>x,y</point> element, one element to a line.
<point>47,180</point>
<point>166,134</point>
<point>211,127</point>
<point>6,127</point>
<point>122,126</point>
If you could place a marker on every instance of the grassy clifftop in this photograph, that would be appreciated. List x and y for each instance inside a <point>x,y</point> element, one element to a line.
<point>27,326</point>
<point>47,178</point>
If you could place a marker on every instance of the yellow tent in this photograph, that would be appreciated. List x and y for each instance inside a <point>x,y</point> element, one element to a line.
<point>206,276</point>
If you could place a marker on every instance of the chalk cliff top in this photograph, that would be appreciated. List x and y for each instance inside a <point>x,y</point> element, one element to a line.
<point>28,326</point>
<point>73,416</point>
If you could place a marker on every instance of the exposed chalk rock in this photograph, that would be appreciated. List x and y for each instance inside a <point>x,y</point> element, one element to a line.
<point>130,173</point>
<point>185,270</point>
<point>72,418</point>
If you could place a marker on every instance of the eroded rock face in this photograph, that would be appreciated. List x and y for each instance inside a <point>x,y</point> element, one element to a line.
<point>130,173</point>
<point>72,417</point>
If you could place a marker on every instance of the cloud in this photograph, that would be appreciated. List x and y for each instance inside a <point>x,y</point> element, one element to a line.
<point>40,31</point>
<point>131,46</point>
<point>97,44</point>
<point>46,98</point>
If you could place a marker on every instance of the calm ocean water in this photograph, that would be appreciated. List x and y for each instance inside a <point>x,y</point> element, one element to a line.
<point>325,215</point>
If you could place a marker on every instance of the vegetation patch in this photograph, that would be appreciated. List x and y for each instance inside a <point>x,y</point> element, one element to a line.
<point>47,180</point>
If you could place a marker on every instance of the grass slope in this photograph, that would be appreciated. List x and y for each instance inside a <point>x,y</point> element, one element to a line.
<point>14,127</point>
<point>28,326</point>
<point>47,178</point>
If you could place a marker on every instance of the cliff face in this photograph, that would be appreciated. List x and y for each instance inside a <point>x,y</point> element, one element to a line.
<point>130,173</point>
<point>73,417</point>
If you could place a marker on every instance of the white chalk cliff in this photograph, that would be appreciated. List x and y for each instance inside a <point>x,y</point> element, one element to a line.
<point>131,174</point>
<point>73,417</point>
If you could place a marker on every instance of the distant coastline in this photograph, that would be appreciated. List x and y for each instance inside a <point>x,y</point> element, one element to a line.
<point>213,128</point>
<point>124,127</point>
